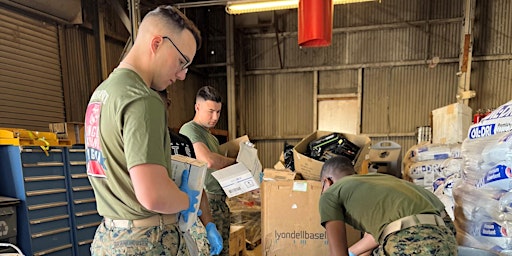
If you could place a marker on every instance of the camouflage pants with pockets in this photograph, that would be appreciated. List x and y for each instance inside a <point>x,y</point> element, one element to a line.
<point>419,240</point>
<point>197,241</point>
<point>156,240</point>
<point>222,219</point>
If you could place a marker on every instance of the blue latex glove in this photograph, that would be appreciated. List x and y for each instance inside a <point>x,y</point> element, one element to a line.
<point>214,238</point>
<point>351,253</point>
<point>192,194</point>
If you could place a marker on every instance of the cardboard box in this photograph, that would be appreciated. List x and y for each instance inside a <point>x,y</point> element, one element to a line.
<point>291,219</point>
<point>450,124</point>
<point>281,174</point>
<point>243,176</point>
<point>197,172</point>
<point>232,147</point>
<point>310,168</point>
<point>72,131</point>
<point>237,241</point>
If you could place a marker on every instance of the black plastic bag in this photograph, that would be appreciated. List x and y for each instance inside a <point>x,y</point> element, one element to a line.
<point>288,156</point>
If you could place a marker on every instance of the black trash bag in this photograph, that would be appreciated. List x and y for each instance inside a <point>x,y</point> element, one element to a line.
<point>331,145</point>
<point>288,156</point>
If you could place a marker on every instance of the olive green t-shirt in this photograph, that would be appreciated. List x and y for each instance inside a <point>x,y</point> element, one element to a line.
<point>370,202</point>
<point>197,133</point>
<point>125,126</point>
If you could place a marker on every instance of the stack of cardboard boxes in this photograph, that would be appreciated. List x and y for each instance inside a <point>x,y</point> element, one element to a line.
<point>290,216</point>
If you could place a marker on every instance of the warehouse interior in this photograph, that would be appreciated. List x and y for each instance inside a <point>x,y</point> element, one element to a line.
<point>390,64</point>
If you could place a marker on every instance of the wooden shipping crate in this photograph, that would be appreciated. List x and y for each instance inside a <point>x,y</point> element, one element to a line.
<point>237,241</point>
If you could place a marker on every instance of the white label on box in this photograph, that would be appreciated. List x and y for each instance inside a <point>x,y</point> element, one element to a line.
<point>300,186</point>
<point>235,180</point>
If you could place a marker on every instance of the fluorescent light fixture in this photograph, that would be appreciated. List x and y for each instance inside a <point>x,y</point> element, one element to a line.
<point>248,6</point>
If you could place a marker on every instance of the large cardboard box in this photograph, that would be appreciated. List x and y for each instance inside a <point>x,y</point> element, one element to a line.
<point>310,168</point>
<point>291,219</point>
<point>450,124</point>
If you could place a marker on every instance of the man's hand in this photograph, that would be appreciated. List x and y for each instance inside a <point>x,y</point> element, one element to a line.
<point>192,194</point>
<point>213,236</point>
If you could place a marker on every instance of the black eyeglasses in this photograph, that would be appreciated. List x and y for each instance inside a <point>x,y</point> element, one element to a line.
<point>187,61</point>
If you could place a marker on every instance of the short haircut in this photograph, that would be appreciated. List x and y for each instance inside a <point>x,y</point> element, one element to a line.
<point>337,166</point>
<point>177,19</point>
<point>208,93</point>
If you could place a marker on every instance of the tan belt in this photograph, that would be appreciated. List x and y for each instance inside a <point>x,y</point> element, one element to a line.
<point>155,220</point>
<point>410,221</point>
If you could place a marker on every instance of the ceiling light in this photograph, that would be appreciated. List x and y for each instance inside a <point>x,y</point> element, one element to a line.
<point>248,6</point>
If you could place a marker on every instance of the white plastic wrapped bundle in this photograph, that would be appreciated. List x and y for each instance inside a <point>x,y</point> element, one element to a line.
<point>475,167</point>
<point>426,152</point>
<point>483,198</point>
<point>498,177</point>
<point>444,193</point>
<point>426,168</point>
<point>452,166</point>
<point>498,151</point>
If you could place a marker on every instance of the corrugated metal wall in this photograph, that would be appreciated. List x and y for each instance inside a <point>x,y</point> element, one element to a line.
<point>393,43</point>
<point>81,62</point>
<point>275,109</point>
<point>30,73</point>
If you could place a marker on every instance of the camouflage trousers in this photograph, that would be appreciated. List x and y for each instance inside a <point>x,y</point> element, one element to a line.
<point>158,240</point>
<point>196,239</point>
<point>419,240</point>
<point>222,219</point>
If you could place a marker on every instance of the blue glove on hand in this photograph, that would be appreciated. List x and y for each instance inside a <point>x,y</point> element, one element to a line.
<point>192,194</point>
<point>351,253</point>
<point>214,238</point>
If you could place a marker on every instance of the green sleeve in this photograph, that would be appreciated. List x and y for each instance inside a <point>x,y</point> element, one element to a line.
<point>144,125</point>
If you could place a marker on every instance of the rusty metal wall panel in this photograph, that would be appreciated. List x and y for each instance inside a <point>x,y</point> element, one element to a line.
<point>397,100</point>
<point>30,73</point>
<point>493,28</point>
<point>492,82</point>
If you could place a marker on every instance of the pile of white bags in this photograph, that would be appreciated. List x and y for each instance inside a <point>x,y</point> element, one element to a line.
<point>435,167</point>
<point>483,197</point>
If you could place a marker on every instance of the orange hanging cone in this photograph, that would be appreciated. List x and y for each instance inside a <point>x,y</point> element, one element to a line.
<point>315,23</point>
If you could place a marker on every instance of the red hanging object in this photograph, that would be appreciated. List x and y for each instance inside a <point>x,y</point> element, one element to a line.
<point>315,23</point>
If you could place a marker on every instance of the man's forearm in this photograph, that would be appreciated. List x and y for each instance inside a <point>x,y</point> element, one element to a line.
<point>220,161</point>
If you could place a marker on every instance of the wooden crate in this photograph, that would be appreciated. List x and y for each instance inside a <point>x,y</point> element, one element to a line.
<point>237,241</point>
